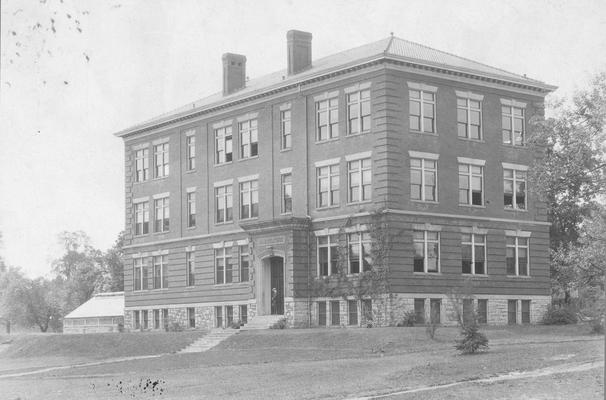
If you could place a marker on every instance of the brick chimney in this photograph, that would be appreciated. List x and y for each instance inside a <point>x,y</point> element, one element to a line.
<point>298,46</point>
<point>234,72</point>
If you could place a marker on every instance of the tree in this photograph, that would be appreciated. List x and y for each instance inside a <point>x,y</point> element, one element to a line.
<point>114,267</point>
<point>80,270</point>
<point>11,278</point>
<point>571,177</point>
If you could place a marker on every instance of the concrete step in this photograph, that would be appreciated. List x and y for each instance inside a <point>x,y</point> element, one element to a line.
<point>213,338</point>
<point>261,322</point>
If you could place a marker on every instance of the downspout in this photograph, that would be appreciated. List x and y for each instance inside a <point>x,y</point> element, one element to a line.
<point>307,210</point>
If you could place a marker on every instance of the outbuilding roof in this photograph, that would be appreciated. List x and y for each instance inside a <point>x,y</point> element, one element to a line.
<point>100,305</point>
<point>392,47</point>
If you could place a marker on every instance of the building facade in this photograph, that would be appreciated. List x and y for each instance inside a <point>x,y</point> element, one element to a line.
<point>282,194</point>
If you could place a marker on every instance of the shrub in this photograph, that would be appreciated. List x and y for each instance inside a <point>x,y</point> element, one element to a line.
<point>560,315</point>
<point>280,324</point>
<point>596,325</point>
<point>409,319</point>
<point>473,340</point>
<point>175,327</point>
<point>121,327</point>
<point>432,327</point>
<point>236,324</point>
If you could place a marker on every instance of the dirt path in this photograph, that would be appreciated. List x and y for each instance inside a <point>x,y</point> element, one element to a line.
<point>557,369</point>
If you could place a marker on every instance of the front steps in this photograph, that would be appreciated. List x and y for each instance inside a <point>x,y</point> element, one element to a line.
<point>261,322</point>
<point>214,337</point>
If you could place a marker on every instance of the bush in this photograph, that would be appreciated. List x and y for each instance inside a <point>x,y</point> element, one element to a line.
<point>409,319</point>
<point>236,324</point>
<point>473,340</point>
<point>280,324</point>
<point>596,325</point>
<point>432,327</point>
<point>121,327</point>
<point>175,327</point>
<point>560,315</point>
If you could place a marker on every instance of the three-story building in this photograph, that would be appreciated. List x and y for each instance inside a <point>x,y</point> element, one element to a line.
<point>351,188</point>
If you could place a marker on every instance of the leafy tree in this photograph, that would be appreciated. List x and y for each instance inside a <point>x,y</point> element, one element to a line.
<point>571,177</point>
<point>114,267</point>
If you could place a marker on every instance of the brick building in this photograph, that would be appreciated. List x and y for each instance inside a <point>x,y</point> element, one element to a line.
<point>269,198</point>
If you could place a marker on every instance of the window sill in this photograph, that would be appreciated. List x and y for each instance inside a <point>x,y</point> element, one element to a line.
<point>357,134</point>
<point>516,146</point>
<point>471,140</point>
<point>248,158</point>
<point>519,276</point>
<point>423,133</point>
<point>426,273</point>
<point>191,228</point>
<point>355,203</point>
<point>327,140</point>
<point>159,178</point>
<point>483,276</point>
<point>509,209</point>
<point>190,171</point>
<point>224,223</point>
<point>248,219</point>
<point>222,164</point>
<point>229,284</point>
<point>327,208</point>
<point>286,150</point>
<point>160,233</point>
<point>286,213</point>
<point>140,236</point>
<point>190,287</point>
<point>472,206</point>
<point>424,202</point>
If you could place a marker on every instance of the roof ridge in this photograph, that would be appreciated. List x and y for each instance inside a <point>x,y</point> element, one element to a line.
<point>468,59</point>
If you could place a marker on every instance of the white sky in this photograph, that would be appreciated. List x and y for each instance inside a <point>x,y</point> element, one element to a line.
<point>148,57</point>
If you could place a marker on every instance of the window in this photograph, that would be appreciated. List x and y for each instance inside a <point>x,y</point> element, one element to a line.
<point>191,317</point>
<point>367,310</point>
<point>427,251</point>
<point>514,189</point>
<point>335,316</point>
<point>286,203</point>
<point>249,146</point>
<point>525,311</point>
<point>359,245</point>
<point>469,117</point>
<point>218,317</point>
<point>223,145</point>
<point>145,319</point>
<point>513,125</point>
<point>141,218</point>
<point>482,311</point>
<point>434,307</point>
<point>139,274</point>
<point>352,308</point>
<point>244,313</point>
<point>223,204</point>
<point>249,199</point>
<point>165,318</point>
<point>285,129</point>
<point>473,253</point>
<point>162,215</point>
<point>327,119</point>
<point>223,267</point>
<point>358,112</point>
<point>136,319</point>
<point>161,160</point>
<point>512,311</point>
<point>190,144</point>
<point>422,108</point>
<point>229,315</point>
<point>468,311</point>
<point>359,174</point>
<point>328,255</point>
<point>328,185</point>
<point>190,267</point>
<point>423,179</point>
<point>322,313</point>
<point>419,305</point>
<point>141,165</point>
<point>244,263</point>
<point>160,272</point>
<point>517,256</point>
<point>191,209</point>
<point>156,319</point>
<point>471,184</point>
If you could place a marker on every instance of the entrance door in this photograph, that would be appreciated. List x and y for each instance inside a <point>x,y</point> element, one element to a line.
<point>277,285</point>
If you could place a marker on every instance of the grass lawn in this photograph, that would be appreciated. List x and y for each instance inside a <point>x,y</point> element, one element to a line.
<point>335,363</point>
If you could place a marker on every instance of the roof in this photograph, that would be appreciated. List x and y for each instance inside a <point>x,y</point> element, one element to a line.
<point>101,305</point>
<point>388,48</point>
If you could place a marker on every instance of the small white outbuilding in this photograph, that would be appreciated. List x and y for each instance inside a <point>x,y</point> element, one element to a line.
<point>104,312</point>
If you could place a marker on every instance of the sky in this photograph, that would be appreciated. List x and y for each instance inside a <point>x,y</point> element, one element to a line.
<point>111,64</point>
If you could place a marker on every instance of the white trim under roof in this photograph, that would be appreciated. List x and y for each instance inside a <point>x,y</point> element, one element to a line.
<point>140,146</point>
<point>421,154</point>
<point>326,96</point>
<point>286,171</point>
<point>247,117</point>
<point>189,132</point>
<point>161,195</point>
<point>190,189</point>
<point>517,167</point>
<point>285,106</point>
<point>422,86</point>
<point>427,227</point>
<point>357,87</point>
<point>326,232</point>
<point>475,230</point>
<point>226,182</point>
<point>248,178</point>
<point>518,233</point>
<point>161,141</point>
<point>469,95</point>
<point>472,161</point>
<point>223,244</point>
<point>222,124</point>
<point>325,163</point>
<point>512,102</point>
<point>358,156</point>
<point>159,253</point>
<point>140,200</point>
